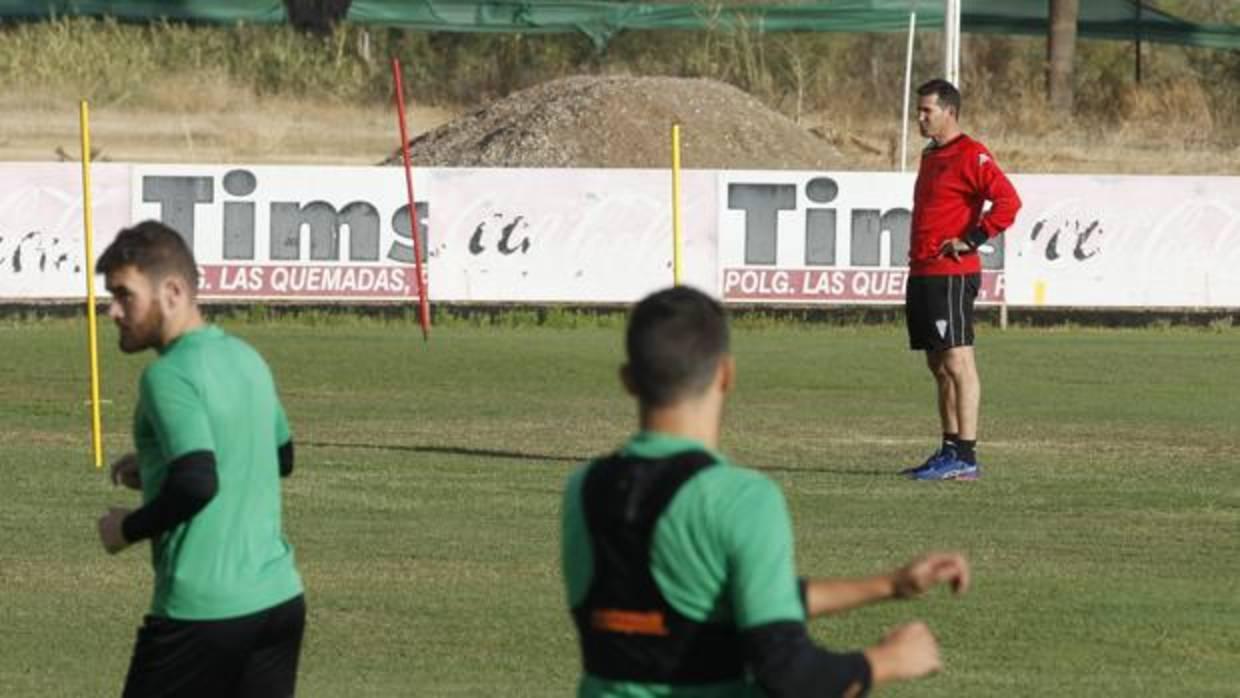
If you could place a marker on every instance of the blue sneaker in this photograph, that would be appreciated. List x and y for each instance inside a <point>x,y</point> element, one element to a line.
<point>949,469</point>
<point>932,462</point>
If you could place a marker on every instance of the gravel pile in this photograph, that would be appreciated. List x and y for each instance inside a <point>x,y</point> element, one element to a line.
<point>621,121</point>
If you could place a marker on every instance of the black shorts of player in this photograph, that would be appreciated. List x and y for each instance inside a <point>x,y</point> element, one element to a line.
<point>252,656</point>
<point>939,311</point>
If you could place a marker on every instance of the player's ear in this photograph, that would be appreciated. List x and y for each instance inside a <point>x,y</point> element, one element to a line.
<point>174,291</point>
<point>626,379</point>
<point>725,374</point>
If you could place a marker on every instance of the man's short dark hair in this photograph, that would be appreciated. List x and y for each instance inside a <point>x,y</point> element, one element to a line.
<point>949,96</point>
<point>154,249</point>
<point>675,340</point>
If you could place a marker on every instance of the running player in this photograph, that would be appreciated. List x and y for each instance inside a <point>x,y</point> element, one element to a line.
<point>212,441</point>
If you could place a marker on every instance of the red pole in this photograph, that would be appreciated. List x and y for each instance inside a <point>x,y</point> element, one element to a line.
<point>424,310</point>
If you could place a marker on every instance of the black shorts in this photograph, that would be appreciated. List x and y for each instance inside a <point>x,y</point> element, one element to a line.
<point>253,656</point>
<point>939,311</point>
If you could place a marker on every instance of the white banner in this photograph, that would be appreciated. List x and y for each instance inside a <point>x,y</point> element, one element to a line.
<point>1125,242</point>
<point>498,235</point>
<point>517,235</point>
<point>305,233</point>
<point>42,239</point>
<point>813,237</point>
<point>567,235</point>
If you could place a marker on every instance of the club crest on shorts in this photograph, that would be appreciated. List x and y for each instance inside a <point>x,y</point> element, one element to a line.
<point>941,326</point>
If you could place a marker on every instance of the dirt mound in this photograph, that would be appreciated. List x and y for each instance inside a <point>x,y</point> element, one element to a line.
<point>620,121</point>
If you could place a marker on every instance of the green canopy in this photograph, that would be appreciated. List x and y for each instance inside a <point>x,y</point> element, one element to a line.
<point>603,19</point>
<point>1099,19</point>
<point>249,11</point>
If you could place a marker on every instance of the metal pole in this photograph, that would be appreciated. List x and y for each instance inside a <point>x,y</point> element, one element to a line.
<point>908,87</point>
<point>951,42</point>
<point>424,311</point>
<point>676,232</point>
<point>92,323</point>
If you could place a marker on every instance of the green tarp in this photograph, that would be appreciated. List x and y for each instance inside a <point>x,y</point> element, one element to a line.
<point>213,11</point>
<point>601,20</point>
<point>1099,19</point>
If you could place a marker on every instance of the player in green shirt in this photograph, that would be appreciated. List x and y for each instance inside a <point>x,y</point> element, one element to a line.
<point>678,564</point>
<point>212,442</point>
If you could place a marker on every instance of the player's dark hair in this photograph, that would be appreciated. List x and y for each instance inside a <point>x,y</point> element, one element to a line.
<point>154,249</point>
<point>675,340</point>
<point>948,95</point>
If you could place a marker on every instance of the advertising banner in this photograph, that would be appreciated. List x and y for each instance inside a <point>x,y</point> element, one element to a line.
<point>284,233</point>
<point>1099,241</point>
<point>812,237</point>
<point>42,239</point>
<point>567,235</point>
<point>494,235</point>
<point>342,234</point>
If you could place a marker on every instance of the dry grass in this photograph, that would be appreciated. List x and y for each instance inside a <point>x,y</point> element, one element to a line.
<point>222,124</point>
<point>1065,150</point>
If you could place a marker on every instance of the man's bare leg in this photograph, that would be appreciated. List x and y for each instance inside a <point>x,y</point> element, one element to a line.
<point>948,409</point>
<point>961,370</point>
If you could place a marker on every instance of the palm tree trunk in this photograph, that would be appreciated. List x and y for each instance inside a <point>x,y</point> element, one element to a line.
<point>1061,50</point>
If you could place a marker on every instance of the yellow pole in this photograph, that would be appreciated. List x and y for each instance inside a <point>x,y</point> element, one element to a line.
<point>89,265</point>
<point>676,233</point>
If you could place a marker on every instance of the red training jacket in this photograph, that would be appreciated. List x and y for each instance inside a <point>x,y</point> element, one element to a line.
<point>953,183</point>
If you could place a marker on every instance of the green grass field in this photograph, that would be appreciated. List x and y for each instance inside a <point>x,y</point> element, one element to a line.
<point>1105,534</point>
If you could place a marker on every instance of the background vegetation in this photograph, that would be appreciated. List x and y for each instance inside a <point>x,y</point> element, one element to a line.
<point>1187,94</point>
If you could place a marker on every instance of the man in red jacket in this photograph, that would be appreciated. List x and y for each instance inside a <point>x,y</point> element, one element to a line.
<point>958,175</point>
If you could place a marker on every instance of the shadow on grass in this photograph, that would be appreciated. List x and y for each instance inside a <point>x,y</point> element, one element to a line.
<point>870,472</point>
<point>521,455</point>
<point>451,450</point>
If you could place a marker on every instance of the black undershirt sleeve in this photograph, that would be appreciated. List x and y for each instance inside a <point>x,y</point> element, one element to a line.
<point>190,484</point>
<point>787,664</point>
<point>286,459</point>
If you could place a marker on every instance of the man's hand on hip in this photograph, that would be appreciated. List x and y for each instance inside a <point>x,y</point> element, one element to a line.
<point>954,247</point>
